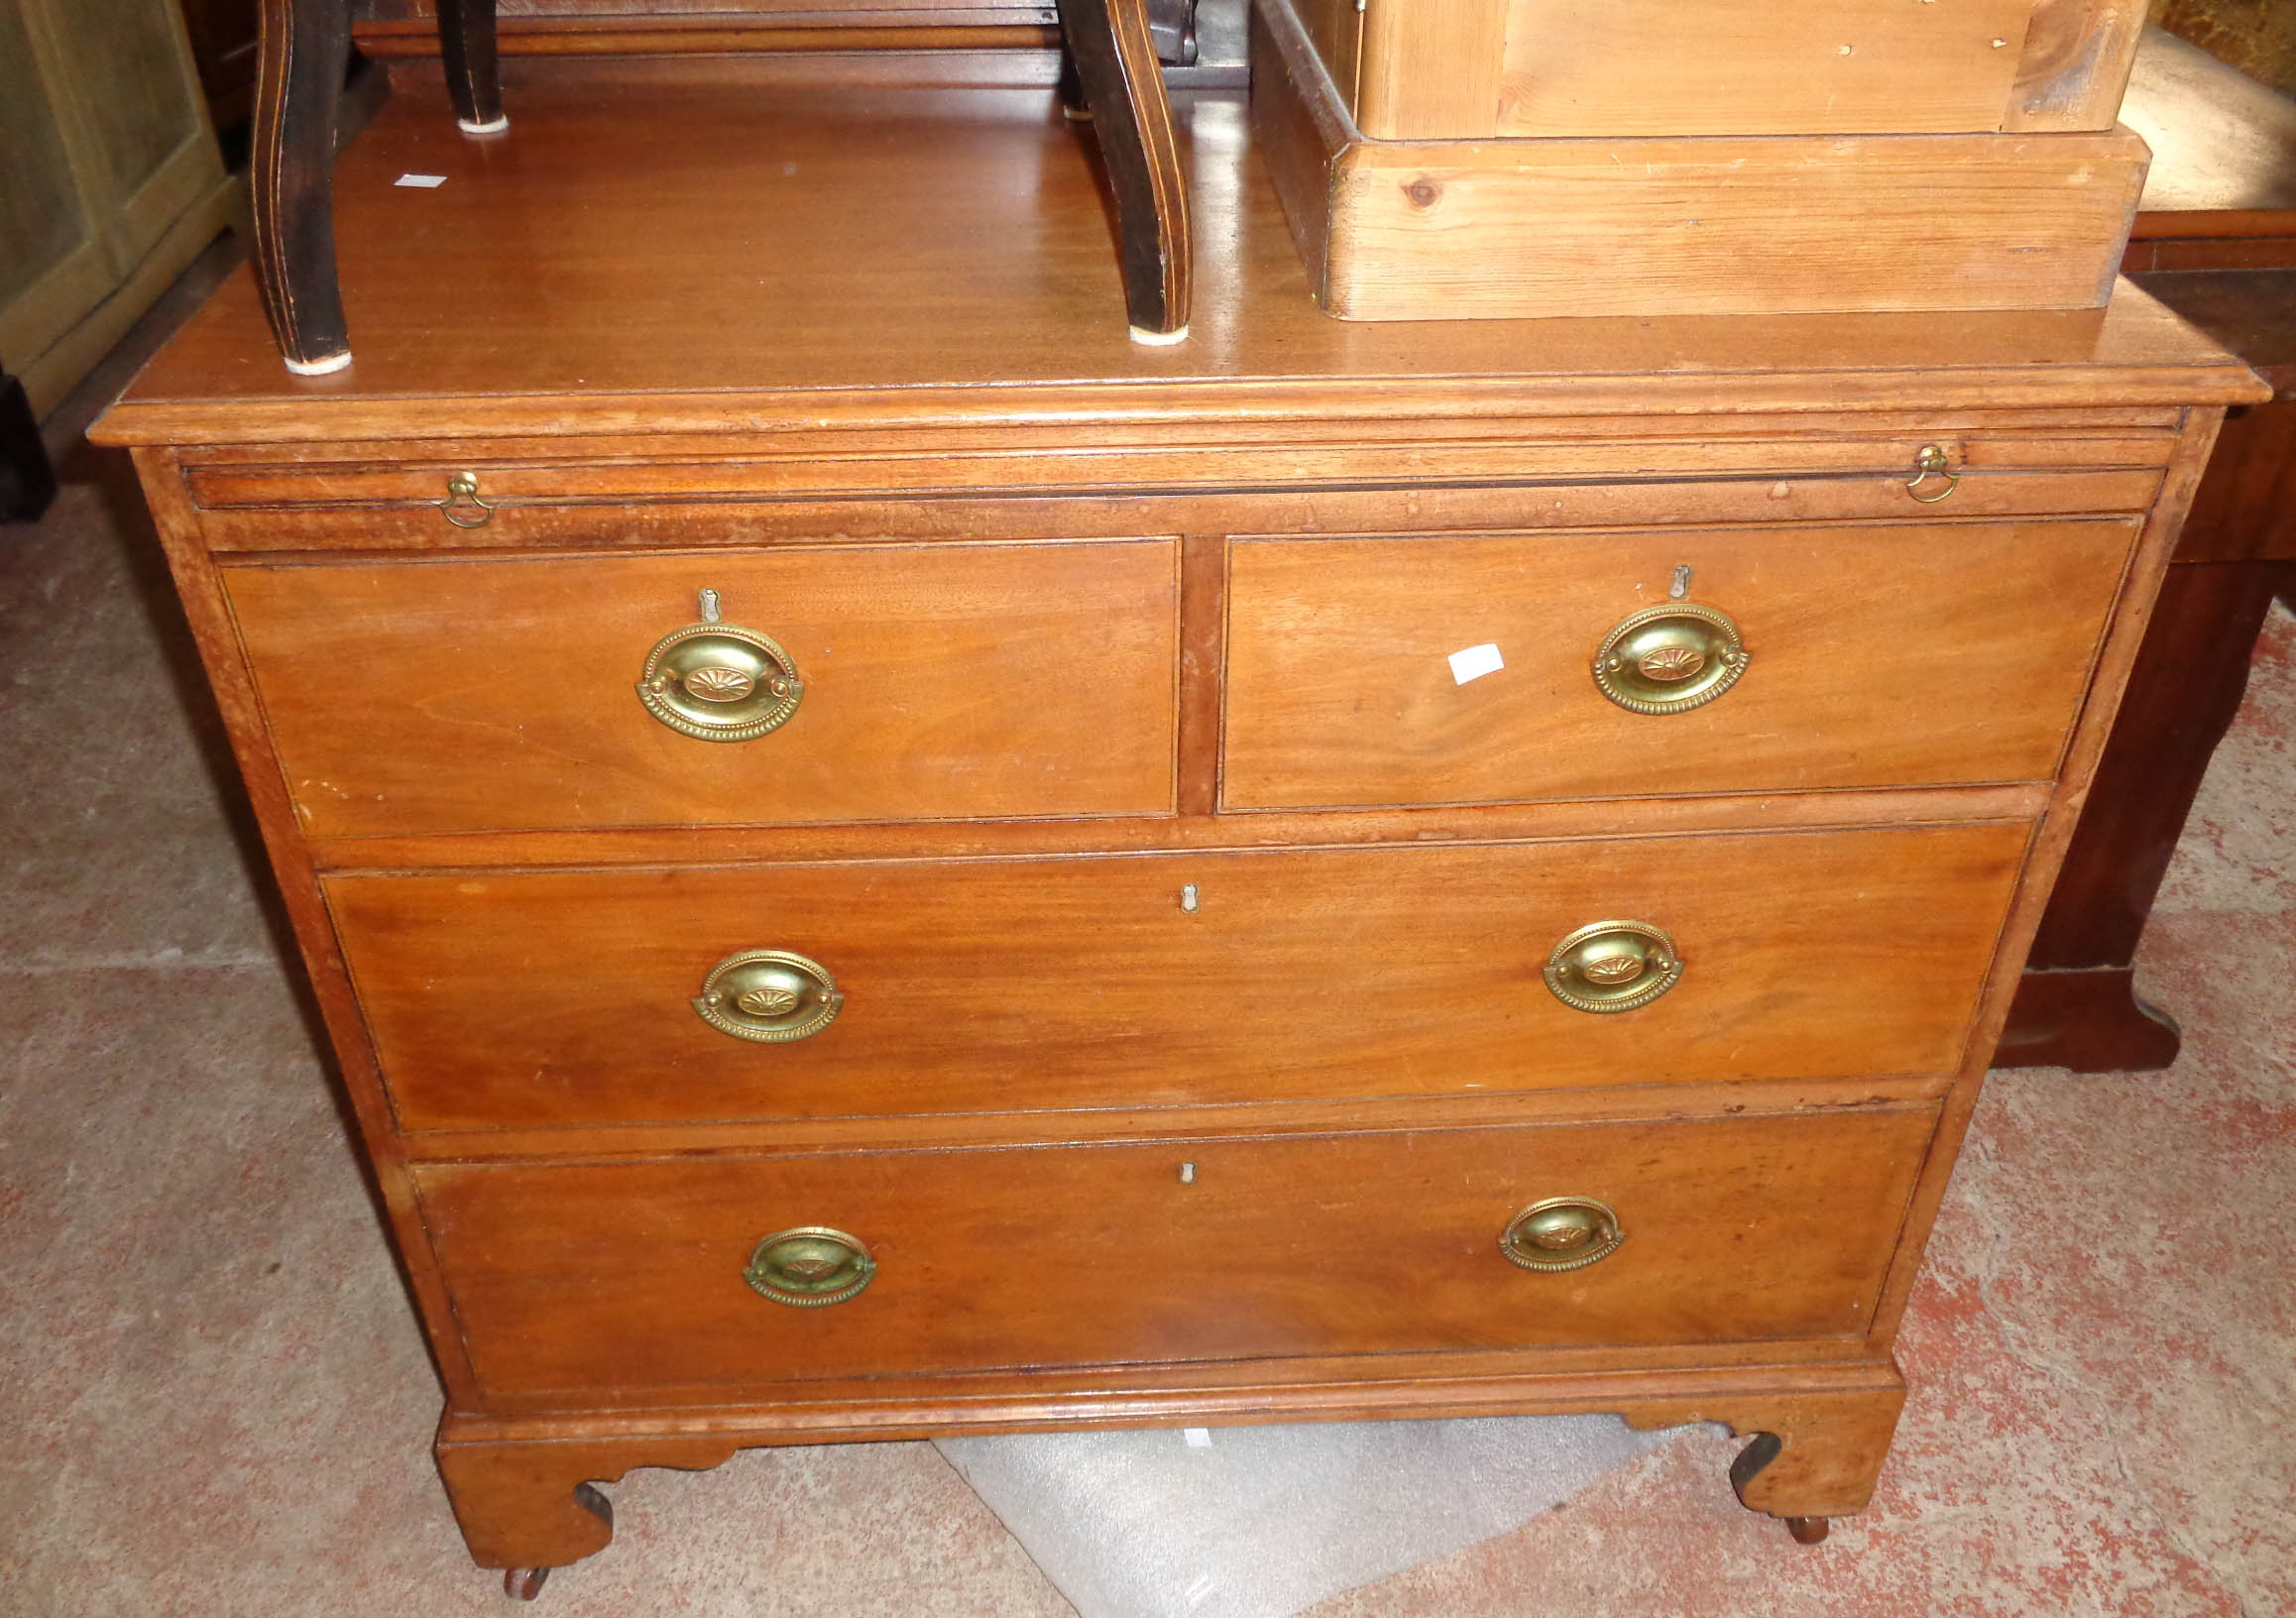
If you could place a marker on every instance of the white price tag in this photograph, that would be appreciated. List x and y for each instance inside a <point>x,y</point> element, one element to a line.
<point>420,182</point>
<point>1475,663</point>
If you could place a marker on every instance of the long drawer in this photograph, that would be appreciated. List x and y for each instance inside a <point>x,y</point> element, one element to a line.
<point>604,1279</point>
<point>946,681</point>
<point>1874,656</point>
<point>510,1000</point>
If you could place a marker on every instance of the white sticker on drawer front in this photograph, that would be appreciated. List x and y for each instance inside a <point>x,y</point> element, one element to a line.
<point>1475,663</point>
<point>420,182</point>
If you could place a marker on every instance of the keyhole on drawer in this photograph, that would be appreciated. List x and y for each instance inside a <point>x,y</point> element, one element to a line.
<point>1188,899</point>
<point>1680,590</point>
<point>710,610</point>
<point>1187,1174</point>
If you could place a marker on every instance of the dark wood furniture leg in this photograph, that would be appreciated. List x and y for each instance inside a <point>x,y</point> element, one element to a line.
<point>466,39</point>
<point>27,481</point>
<point>1123,88</point>
<point>305,47</point>
<point>2077,1006</point>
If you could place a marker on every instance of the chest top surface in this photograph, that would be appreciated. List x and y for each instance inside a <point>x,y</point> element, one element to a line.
<point>707,255</point>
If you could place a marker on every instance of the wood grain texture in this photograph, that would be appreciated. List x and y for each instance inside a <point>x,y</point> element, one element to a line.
<point>784,309</point>
<point>506,999</point>
<point>1835,809</point>
<point>1430,68</point>
<point>589,1279</point>
<point>1723,67</point>
<point>2075,64</point>
<point>514,1477</point>
<point>1876,656</point>
<point>1781,224</point>
<point>1661,225</point>
<point>953,681</point>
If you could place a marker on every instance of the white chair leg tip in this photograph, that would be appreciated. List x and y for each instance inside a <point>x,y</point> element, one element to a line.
<point>320,368</point>
<point>495,128</point>
<point>1157,339</point>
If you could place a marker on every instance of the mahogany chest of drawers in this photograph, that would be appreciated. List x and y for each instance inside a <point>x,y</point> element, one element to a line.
<point>881,862</point>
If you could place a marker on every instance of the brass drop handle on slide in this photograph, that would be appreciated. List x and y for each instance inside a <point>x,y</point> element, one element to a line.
<point>1930,461</point>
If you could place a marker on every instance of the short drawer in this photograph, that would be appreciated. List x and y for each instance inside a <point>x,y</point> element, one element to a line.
<point>503,1000</point>
<point>1875,655</point>
<point>604,1279</point>
<point>951,681</point>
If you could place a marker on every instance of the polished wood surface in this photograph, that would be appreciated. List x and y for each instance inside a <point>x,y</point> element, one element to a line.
<point>1670,224</point>
<point>646,398</point>
<point>610,1280</point>
<point>989,680</point>
<point>1016,985</point>
<point>1969,666</point>
<point>1106,45</point>
<point>524,294</point>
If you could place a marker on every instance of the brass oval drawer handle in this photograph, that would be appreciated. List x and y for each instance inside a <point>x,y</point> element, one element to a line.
<point>1561,1233</point>
<point>809,1266</point>
<point>1930,462</point>
<point>460,487</point>
<point>720,682</point>
<point>769,995</point>
<point>1613,966</point>
<point>1669,658</point>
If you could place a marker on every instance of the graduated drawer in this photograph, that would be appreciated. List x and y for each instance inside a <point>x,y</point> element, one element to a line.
<point>1877,654</point>
<point>948,682</point>
<point>607,1278</point>
<point>503,1000</point>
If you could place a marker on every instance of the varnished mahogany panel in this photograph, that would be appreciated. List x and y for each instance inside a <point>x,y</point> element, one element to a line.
<point>1953,652</point>
<point>951,681</point>
<point>607,1281</point>
<point>509,999</point>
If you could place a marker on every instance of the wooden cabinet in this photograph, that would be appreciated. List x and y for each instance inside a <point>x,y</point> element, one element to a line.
<point>1209,938</point>
<point>113,181</point>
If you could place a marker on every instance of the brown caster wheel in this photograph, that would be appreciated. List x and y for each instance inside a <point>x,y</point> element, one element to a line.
<point>1808,1530</point>
<point>523,1583</point>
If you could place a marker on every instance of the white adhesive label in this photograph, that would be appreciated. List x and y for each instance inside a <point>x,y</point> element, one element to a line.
<point>1198,1438</point>
<point>420,182</point>
<point>1475,663</point>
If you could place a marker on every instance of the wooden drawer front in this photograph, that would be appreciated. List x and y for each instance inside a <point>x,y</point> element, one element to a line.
<point>1879,655</point>
<point>507,1000</point>
<point>948,682</point>
<point>606,1278</point>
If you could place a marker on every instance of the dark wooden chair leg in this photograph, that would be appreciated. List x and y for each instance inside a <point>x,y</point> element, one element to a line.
<point>1071,88</point>
<point>27,481</point>
<point>2076,1006</point>
<point>465,39</point>
<point>1124,86</point>
<point>299,65</point>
